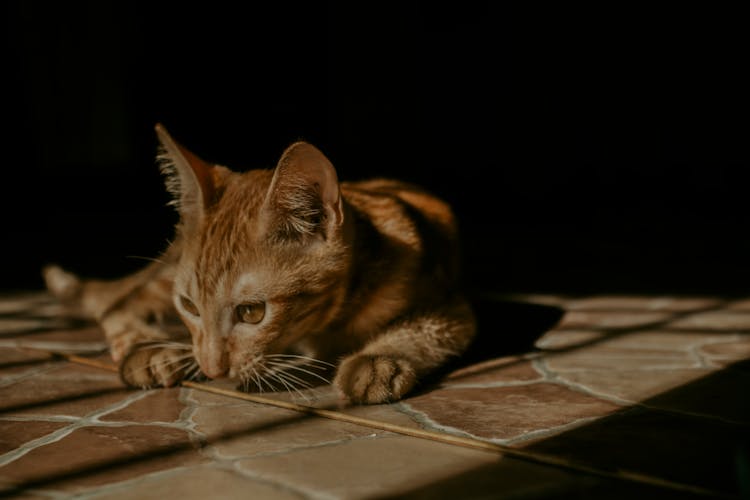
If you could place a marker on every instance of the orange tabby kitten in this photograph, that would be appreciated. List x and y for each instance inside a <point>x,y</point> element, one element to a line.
<point>276,272</point>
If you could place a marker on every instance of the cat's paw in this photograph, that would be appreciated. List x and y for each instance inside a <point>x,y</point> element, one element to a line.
<point>150,365</point>
<point>372,379</point>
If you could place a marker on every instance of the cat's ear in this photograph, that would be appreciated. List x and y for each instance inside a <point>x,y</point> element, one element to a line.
<point>304,197</point>
<point>194,183</point>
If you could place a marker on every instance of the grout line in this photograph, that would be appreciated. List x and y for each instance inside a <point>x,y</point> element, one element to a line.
<point>429,424</point>
<point>31,417</point>
<point>556,378</point>
<point>490,385</point>
<point>295,448</point>
<point>25,448</point>
<point>465,442</point>
<point>123,485</point>
<point>234,466</point>
<point>48,367</point>
<point>123,403</point>
<point>59,434</point>
<point>547,432</point>
<point>559,379</point>
<point>450,439</point>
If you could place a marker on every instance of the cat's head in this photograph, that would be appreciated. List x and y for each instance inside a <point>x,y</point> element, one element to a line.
<point>264,254</point>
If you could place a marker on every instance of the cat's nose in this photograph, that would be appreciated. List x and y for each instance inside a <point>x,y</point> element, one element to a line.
<point>214,364</point>
<point>215,370</point>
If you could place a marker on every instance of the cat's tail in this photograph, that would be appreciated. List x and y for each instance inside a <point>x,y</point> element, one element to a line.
<point>62,284</point>
<point>89,298</point>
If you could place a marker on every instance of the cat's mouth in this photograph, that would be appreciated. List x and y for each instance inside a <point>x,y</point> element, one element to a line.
<point>282,372</point>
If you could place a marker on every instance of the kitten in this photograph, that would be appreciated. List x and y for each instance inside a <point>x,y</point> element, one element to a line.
<point>276,272</point>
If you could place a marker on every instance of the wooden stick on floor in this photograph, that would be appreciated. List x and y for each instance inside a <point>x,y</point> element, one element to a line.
<point>465,442</point>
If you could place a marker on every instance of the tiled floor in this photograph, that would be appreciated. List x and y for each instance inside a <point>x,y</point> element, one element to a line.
<point>653,387</point>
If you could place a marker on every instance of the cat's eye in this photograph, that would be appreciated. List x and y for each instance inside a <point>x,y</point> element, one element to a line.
<point>188,305</point>
<point>252,313</point>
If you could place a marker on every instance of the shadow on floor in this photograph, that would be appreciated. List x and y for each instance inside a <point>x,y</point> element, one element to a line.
<point>672,435</point>
<point>695,435</point>
<point>504,328</point>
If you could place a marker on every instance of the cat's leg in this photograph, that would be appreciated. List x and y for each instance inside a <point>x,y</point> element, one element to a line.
<point>131,312</point>
<point>149,355</point>
<point>389,366</point>
<point>138,317</point>
<point>94,298</point>
<point>127,309</point>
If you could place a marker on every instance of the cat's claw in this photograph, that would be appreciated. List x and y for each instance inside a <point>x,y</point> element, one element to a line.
<point>372,379</point>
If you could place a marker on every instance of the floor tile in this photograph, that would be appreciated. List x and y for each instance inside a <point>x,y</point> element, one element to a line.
<point>641,303</point>
<point>681,448</point>
<point>613,320</point>
<point>513,369</point>
<point>503,413</point>
<point>196,483</point>
<point>99,455</point>
<point>60,392</point>
<point>163,405</point>
<point>656,385</point>
<point>368,466</point>
<point>717,321</point>
<point>14,433</point>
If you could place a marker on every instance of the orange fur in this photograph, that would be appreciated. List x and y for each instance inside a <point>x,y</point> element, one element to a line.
<point>363,275</point>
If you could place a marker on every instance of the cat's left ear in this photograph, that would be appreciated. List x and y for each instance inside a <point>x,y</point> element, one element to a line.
<point>194,183</point>
<point>304,197</point>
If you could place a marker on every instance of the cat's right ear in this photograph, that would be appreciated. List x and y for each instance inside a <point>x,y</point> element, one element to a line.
<point>304,198</point>
<point>194,183</point>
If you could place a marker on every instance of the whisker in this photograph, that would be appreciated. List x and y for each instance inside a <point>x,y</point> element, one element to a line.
<point>167,362</point>
<point>193,366</point>
<point>284,378</point>
<point>286,383</point>
<point>291,376</point>
<point>311,395</point>
<point>248,378</point>
<point>182,367</point>
<point>303,370</point>
<point>258,379</point>
<point>194,372</point>
<point>307,386</point>
<point>312,361</point>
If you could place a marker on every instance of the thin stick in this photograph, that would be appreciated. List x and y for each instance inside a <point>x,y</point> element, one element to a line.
<point>465,442</point>
<point>95,363</point>
<point>541,458</point>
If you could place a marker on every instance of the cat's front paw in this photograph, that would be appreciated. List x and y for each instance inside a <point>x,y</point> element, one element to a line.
<point>150,365</point>
<point>372,379</point>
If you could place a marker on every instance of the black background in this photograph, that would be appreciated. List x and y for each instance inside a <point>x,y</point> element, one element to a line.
<point>590,150</point>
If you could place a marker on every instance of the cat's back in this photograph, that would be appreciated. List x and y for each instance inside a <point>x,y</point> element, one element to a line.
<point>411,223</point>
<point>388,200</point>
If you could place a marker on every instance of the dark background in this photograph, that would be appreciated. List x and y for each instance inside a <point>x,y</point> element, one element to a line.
<point>583,150</point>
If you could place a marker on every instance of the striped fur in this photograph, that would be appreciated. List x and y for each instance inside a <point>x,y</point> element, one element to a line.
<point>360,275</point>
